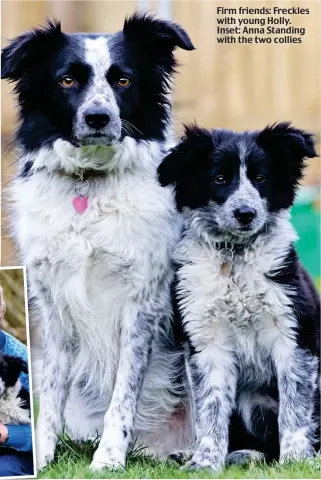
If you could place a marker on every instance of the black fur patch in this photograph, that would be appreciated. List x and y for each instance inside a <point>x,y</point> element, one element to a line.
<point>11,368</point>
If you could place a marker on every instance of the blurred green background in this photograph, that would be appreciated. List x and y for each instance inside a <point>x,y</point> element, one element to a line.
<point>306,220</point>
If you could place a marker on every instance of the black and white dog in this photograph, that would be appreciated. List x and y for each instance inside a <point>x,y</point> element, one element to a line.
<point>96,231</point>
<point>14,399</point>
<point>249,310</point>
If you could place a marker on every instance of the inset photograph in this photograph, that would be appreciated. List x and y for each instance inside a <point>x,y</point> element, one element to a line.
<point>16,412</point>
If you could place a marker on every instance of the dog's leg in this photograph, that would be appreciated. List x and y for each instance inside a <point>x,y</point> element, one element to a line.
<point>297,380</point>
<point>212,374</point>
<point>135,349</point>
<point>53,388</point>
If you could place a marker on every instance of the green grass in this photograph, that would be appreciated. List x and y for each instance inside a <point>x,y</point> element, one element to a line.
<point>72,461</point>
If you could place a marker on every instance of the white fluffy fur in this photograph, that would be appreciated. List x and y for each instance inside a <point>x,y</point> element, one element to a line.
<point>100,94</point>
<point>93,267</point>
<point>11,407</point>
<point>256,311</point>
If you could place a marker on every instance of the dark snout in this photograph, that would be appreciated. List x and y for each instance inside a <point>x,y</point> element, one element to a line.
<point>244,214</point>
<point>97,117</point>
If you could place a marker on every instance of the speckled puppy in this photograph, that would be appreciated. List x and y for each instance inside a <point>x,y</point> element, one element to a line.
<point>249,310</point>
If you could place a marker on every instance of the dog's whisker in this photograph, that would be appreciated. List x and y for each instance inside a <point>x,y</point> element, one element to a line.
<point>132,126</point>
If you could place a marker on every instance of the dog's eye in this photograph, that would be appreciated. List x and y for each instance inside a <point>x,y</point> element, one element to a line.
<point>260,178</point>
<point>124,82</point>
<point>219,179</point>
<point>67,81</point>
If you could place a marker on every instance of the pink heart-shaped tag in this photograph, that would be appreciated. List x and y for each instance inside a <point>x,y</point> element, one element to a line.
<point>80,204</point>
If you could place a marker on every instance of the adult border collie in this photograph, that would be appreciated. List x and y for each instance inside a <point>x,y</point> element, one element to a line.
<point>249,310</point>
<point>96,230</point>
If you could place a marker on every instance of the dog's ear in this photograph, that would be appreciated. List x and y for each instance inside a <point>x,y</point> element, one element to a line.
<point>287,148</point>
<point>154,35</point>
<point>288,145</point>
<point>188,166</point>
<point>25,51</point>
<point>193,151</point>
<point>15,366</point>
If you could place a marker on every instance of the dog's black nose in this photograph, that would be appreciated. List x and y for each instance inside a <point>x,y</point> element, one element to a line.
<point>97,118</point>
<point>244,215</point>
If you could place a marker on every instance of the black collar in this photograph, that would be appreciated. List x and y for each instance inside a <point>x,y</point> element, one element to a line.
<point>230,246</point>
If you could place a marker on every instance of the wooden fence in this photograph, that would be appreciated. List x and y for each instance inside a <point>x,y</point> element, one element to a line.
<point>219,85</point>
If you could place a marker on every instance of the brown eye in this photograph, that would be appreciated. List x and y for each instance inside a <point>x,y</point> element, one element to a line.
<point>67,81</point>
<point>260,178</point>
<point>124,82</point>
<point>219,179</point>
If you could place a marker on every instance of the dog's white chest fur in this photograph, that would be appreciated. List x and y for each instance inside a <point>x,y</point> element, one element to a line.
<point>95,266</point>
<point>247,309</point>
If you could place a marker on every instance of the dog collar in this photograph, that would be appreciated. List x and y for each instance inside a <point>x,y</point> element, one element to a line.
<point>234,247</point>
<point>226,254</point>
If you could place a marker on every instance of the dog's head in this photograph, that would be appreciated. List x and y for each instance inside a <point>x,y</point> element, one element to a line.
<point>94,89</point>
<point>10,370</point>
<point>237,181</point>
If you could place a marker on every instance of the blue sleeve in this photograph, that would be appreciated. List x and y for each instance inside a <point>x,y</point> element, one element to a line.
<point>20,438</point>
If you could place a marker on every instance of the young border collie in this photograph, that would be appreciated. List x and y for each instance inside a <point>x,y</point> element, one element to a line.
<point>248,308</point>
<point>96,230</point>
<point>14,399</point>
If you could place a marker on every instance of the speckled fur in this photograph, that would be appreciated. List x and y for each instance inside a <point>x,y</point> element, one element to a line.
<point>242,329</point>
<point>252,335</point>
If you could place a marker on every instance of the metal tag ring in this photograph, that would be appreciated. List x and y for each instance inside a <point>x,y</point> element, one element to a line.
<point>226,255</point>
<point>83,189</point>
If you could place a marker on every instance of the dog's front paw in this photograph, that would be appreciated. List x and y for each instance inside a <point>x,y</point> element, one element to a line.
<point>45,448</point>
<point>44,460</point>
<point>111,458</point>
<point>295,447</point>
<point>200,461</point>
<point>244,457</point>
<point>180,456</point>
<point>296,455</point>
<point>45,455</point>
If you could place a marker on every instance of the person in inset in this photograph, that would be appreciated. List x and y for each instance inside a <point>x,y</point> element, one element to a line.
<point>16,457</point>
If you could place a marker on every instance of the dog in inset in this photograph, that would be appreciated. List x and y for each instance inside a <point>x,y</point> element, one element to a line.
<point>14,399</point>
<point>249,310</point>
